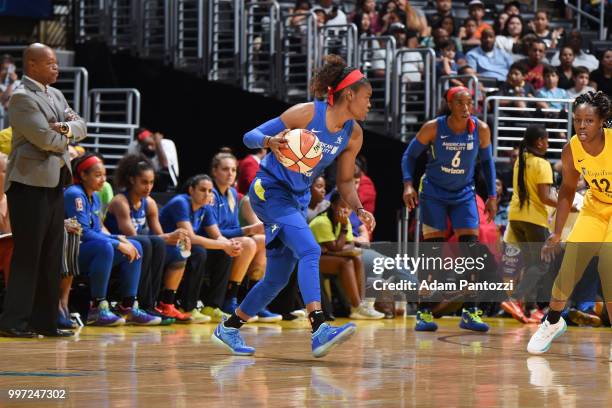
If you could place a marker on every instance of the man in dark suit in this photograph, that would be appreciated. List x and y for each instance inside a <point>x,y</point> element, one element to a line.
<point>38,167</point>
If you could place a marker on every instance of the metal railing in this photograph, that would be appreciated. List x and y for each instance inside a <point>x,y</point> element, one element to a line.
<point>376,57</point>
<point>111,140</point>
<point>74,84</point>
<point>341,40</point>
<point>258,54</point>
<point>298,52</point>
<point>508,130</point>
<point>414,84</point>
<point>91,19</point>
<point>599,20</point>
<point>114,105</point>
<point>122,30</point>
<point>155,33</point>
<point>187,34</point>
<point>223,40</point>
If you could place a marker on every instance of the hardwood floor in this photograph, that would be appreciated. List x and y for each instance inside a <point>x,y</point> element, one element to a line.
<point>385,364</point>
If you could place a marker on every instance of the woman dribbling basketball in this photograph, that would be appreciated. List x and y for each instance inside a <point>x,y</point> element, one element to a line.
<point>280,198</point>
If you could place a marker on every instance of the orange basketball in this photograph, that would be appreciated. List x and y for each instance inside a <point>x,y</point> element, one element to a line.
<point>303,151</point>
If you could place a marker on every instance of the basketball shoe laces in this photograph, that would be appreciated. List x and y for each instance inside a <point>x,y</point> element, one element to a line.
<point>475,316</point>
<point>235,338</point>
<point>544,332</point>
<point>427,317</point>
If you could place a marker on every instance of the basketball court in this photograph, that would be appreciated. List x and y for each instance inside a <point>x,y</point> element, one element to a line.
<point>386,364</point>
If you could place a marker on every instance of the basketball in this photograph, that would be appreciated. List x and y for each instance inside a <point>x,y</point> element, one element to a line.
<point>303,151</point>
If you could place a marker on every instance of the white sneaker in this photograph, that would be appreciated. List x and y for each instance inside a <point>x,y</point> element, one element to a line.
<point>542,339</point>
<point>365,312</point>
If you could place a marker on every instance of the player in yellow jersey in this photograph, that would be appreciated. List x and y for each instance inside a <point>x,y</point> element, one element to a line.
<point>589,153</point>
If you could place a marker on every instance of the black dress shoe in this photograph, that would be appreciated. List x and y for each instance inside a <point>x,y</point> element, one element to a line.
<point>24,334</point>
<point>57,333</point>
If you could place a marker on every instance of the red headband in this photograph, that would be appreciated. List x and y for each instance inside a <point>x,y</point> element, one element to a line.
<point>144,134</point>
<point>348,80</point>
<point>455,90</point>
<point>84,166</point>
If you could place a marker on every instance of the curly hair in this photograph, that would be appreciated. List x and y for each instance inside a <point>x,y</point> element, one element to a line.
<point>132,165</point>
<point>598,100</point>
<point>333,71</point>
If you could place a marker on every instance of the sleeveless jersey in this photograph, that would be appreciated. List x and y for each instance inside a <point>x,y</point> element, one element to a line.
<point>333,144</point>
<point>452,157</point>
<point>138,217</point>
<point>596,170</point>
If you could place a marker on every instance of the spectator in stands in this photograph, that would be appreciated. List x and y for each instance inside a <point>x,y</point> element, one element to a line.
<point>444,8</point>
<point>511,35</point>
<point>247,168</point>
<point>191,211</point>
<point>375,66</point>
<point>134,213</point>
<point>252,259</point>
<point>415,18</point>
<point>8,83</point>
<point>412,62</point>
<point>488,60</point>
<point>516,85</point>
<point>500,23</point>
<point>467,34</point>
<point>439,36</point>
<point>335,15</point>
<point>581,83</point>
<point>366,189</point>
<point>513,8</point>
<point>601,78</point>
<point>156,150</point>
<point>540,26</point>
<point>318,203</point>
<point>574,40</point>
<point>477,12</point>
<point>566,68</point>
<point>100,251</point>
<point>551,89</point>
<point>322,17</point>
<point>299,14</point>
<point>333,231</point>
<point>535,65</point>
<point>503,202</point>
<point>368,7</point>
<point>447,64</point>
<point>391,14</point>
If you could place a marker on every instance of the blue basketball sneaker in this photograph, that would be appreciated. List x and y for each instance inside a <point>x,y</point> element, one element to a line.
<point>470,320</point>
<point>230,338</point>
<point>424,321</point>
<point>266,316</point>
<point>327,337</point>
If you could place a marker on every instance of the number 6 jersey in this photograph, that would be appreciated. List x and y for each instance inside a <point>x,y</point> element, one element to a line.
<point>596,170</point>
<point>452,157</point>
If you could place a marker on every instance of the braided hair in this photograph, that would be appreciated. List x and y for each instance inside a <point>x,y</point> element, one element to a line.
<point>598,100</point>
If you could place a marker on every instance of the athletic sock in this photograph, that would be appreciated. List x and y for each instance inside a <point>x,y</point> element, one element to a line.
<point>234,321</point>
<point>128,301</point>
<point>317,318</point>
<point>232,289</point>
<point>168,296</point>
<point>553,316</point>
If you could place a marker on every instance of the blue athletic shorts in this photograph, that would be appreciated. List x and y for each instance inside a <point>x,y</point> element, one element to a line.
<point>438,205</point>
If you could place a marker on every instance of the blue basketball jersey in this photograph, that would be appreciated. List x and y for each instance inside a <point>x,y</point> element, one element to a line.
<point>332,143</point>
<point>452,158</point>
<point>138,217</point>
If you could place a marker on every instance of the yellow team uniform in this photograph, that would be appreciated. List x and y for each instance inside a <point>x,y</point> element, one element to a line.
<point>594,218</point>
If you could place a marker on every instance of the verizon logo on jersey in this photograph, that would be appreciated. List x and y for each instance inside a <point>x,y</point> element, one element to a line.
<point>450,170</point>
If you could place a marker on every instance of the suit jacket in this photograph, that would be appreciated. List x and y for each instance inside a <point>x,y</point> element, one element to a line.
<point>38,152</point>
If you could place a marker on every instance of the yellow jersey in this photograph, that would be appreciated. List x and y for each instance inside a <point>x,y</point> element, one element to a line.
<point>596,170</point>
<point>534,211</point>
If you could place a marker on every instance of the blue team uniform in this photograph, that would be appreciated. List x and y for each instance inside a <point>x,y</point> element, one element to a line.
<point>98,252</point>
<point>447,188</point>
<point>179,209</point>
<point>225,215</point>
<point>280,199</point>
<point>138,217</point>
